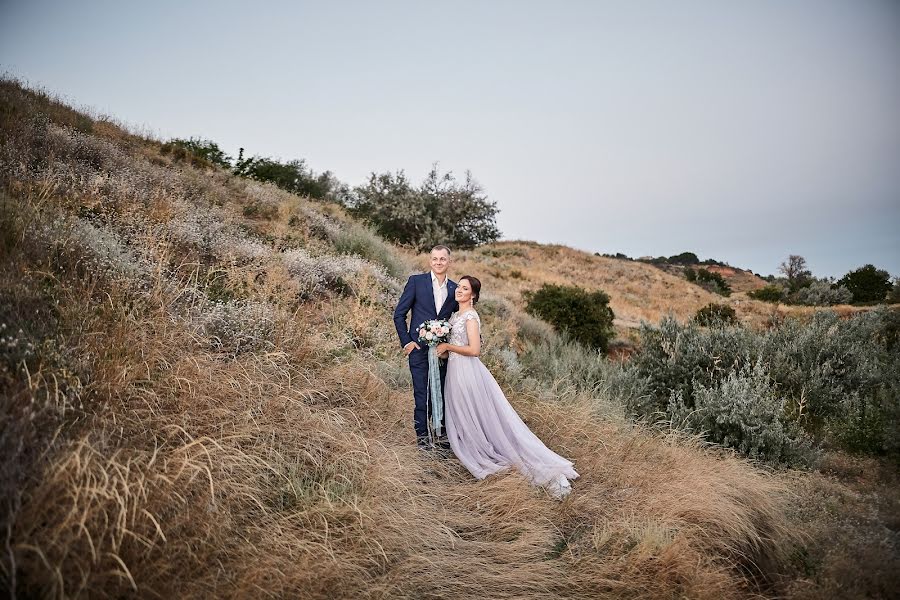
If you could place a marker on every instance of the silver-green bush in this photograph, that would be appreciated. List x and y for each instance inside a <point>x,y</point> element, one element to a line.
<point>744,411</point>
<point>822,361</point>
<point>838,379</point>
<point>820,293</point>
<point>674,357</point>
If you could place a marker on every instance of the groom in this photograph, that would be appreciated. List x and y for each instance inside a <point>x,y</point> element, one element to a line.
<point>429,296</point>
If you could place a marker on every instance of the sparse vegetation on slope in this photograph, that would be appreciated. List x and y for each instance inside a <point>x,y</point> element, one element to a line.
<point>709,280</point>
<point>716,314</point>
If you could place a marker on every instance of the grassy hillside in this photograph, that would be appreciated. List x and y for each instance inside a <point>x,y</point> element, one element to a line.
<point>638,291</point>
<point>738,279</point>
<point>202,396</point>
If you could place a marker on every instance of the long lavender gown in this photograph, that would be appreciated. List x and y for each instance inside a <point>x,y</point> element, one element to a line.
<point>485,432</point>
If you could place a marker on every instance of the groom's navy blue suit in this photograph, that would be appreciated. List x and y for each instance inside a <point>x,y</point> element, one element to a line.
<point>418,297</point>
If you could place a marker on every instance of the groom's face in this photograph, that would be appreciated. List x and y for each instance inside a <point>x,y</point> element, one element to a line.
<point>440,261</point>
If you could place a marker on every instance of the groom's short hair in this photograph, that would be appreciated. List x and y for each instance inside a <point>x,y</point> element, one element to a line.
<point>440,247</point>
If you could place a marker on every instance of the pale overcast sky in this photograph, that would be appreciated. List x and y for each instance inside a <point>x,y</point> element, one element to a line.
<point>740,130</point>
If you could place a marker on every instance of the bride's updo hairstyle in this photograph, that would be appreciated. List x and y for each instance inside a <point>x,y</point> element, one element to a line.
<point>476,287</point>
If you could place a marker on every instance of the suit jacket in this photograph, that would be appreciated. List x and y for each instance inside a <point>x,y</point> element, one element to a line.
<point>418,297</point>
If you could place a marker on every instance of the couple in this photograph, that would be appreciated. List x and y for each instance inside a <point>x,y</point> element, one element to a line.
<point>483,430</point>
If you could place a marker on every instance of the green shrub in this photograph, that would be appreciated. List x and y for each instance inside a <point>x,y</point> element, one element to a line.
<point>716,315</point>
<point>839,378</point>
<point>394,207</point>
<point>440,211</point>
<point>821,362</point>
<point>586,316</point>
<point>503,252</point>
<point>674,358</point>
<point>714,282</point>
<point>712,261</point>
<point>197,151</point>
<point>769,293</point>
<point>744,411</point>
<point>12,224</point>
<point>617,255</point>
<point>685,258</point>
<point>293,176</point>
<point>867,284</point>
<point>868,424</point>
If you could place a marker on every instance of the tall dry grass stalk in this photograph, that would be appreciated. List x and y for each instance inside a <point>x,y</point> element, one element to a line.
<point>154,451</point>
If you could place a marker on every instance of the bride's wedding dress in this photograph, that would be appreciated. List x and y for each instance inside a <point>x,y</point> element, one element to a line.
<point>485,432</point>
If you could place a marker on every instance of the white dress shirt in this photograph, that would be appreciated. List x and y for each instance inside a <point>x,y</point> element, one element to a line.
<point>440,291</point>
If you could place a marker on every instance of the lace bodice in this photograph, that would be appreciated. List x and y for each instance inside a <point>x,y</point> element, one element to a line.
<point>458,335</point>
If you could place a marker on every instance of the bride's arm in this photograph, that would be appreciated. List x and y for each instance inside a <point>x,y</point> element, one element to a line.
<point>474,347</point>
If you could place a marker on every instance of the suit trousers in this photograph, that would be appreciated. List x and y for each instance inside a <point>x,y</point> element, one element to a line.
<point>418,367</point>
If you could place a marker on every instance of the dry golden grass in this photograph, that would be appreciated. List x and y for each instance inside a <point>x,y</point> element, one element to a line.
<point>143,457</point>
<point>279,475</point>
<point>738,279</point>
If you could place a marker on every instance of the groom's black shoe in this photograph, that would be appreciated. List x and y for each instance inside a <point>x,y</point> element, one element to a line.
<point>442,444</point>
<point>423,443</point>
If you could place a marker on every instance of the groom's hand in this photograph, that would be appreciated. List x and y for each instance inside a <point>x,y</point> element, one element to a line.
<point>407,349</point>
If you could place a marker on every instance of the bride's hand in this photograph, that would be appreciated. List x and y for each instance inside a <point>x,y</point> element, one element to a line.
<point>443,349</point>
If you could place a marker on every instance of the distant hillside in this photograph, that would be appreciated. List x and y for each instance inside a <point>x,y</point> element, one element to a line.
<point>740,280</point>
<point>638,291</point>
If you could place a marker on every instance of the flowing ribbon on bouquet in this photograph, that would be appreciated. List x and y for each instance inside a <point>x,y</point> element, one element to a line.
<point>434,389</point>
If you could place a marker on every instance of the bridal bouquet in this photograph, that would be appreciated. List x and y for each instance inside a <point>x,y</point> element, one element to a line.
<point>433,333</point>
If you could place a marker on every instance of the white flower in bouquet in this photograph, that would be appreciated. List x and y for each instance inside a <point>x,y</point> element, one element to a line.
<point>434,332</point>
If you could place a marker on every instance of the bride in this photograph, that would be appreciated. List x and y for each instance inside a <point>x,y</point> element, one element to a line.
<point>484,431</point>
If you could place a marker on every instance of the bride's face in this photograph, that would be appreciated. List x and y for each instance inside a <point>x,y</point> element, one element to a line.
<point>463,291</point>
